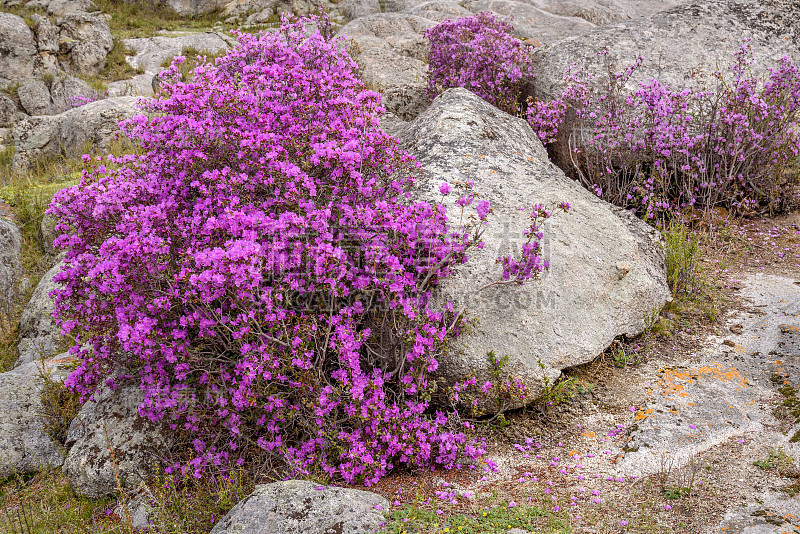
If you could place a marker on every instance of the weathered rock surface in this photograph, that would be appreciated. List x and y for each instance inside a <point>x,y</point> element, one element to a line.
<point>35,98</point>
<point>392,48</point>
<point>151,52</point>
<point>111,422</point>
<point>607,274</point>
<point>195,7</point>
<point>18,52</point>
<point>86,40</point>
<point>93,124</point>
<point>530,22</point>
<point>59,8</point>
<point>300,506</point>
<point>38,332</point>
<point>46,34</point>
<point>10,262</point>
<point>697,407</point>
<point>25,446</point>
<point>66,90</point>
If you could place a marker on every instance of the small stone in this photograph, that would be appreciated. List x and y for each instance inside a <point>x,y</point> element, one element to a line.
<point>729,343</point>
<point>736,329</point>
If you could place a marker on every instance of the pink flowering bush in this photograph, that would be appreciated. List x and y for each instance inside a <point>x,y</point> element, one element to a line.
<point>481,54</point>
<point>262,272</point>
<point>659,151</point>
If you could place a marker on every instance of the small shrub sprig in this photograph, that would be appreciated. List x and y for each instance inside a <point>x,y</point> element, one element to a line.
<point>481,54</point>
<point>263,273</point>
<point>660,151</point>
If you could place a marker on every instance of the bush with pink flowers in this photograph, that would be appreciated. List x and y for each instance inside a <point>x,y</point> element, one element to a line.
<point>264,275</point>
<point>481,54</point>
<point>659,150</point>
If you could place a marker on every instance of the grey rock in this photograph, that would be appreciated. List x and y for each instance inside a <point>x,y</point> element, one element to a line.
<point>94,124</point>
<point>353,9</point>
<point>65,91</point>
<point>530,22</point>
<point>402,33</point>
<point>195,7</point>
<point>151,52</point>
<point>59,8</point>
<point>18,52</point>
<point>8,111</point>
<point>39,335</point>
<point>391,50</point>
<point>300,506</point>
<point>10,262</point>
<point>139,85</point>
<point>86,40</point>
<point>607,275</point>
<point>46,34</point>
<point>25,446</point>
<point>602,12</point>
<point>700,406</point>
<point>392,124</point>
<point>35,98</point>
<point>436,10</point>
<point>246,7</point>
<point>110,421</point>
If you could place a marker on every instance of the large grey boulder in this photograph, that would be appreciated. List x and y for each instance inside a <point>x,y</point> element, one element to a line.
<point>607,275</point>
<point>35,98</point>
<point>152,52</point>
<point>109,435</point>
<point>391,53</point>
<point>86,40</point>
<point>10,262</point>
<point>39,335</point>
<point>25,446</point>
<point>18,52</point>
<point>304,507</point>
<point>91,125</point>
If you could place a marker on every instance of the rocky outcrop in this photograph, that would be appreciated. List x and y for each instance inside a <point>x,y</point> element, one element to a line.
<point>152,52</point>
<point>10,262</point>
<point>532,23</point>
<point>18,52</point>
<point>91,125</point>
<point>85,39</point>
<point>25,446</point>
<point>59,8</point>
<point>607,275</point>
<point>109,439</point>
<point>34,97</point>
<point>391,52</point>
<point>38,332</point>
<point>301,506</point>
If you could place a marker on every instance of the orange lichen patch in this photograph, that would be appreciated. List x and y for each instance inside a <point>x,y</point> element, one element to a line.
<point>589,434</point>
<point>673,381</point>
<point>641,414</point>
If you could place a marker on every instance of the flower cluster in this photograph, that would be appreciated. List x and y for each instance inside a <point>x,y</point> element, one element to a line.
<point>659,150</point>
<point>481,54</point>
<point>262,271</point>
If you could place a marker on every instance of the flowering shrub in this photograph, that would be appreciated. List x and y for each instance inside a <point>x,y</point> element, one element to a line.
<point>478,53</point>
<point>659,150</point>
<point>262,272</point>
